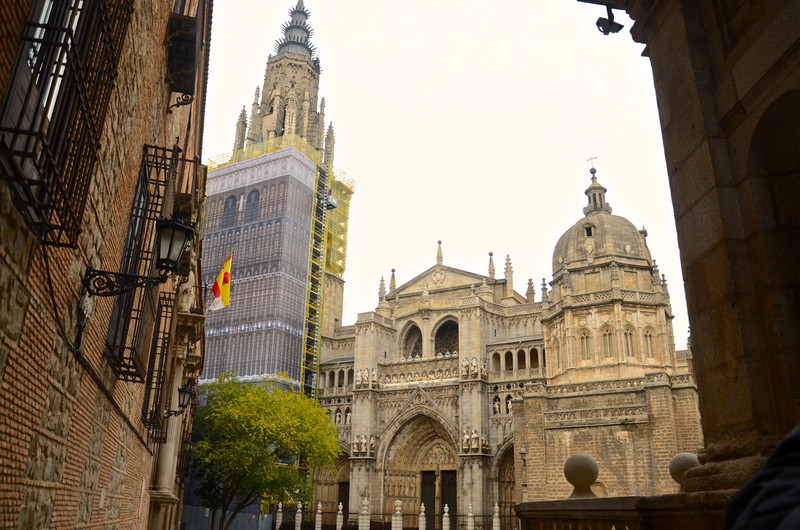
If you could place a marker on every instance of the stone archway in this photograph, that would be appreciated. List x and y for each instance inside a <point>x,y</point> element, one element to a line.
<point>332,486</point>
<point>421,465</point>
<point>507,495</point>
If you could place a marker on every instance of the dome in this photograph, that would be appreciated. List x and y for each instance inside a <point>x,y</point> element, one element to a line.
<point>600,237</point>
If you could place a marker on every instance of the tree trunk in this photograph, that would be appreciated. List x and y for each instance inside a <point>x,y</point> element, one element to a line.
<point>214,519</point>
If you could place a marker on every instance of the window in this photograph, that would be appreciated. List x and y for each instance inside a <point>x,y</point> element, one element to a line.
<point>585,347</point>
<point>229,212</point>
<point>608,343</point>
<point>629,343</point>
<point>251,207</point>
<point>158,371</point>
<point>446,340</point>
<point>648,343</point>
<point>54,107</point>
<point>133,310</point>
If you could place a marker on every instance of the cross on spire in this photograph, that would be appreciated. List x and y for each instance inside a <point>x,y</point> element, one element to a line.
<point>591,160</point>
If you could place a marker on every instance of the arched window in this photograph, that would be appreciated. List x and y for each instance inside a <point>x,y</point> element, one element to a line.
<point>413,343</point>
<point>251,207</point>
<point>446,340</point>
<point>509,361</point>
<point>534,358</point>
<point>350,376</point>
<point>648,343</point>
<point>496,367</point>
<point>340,382</point>
<point>521,364</point>
<point>586,352</point>
<point>331,379</point>
<point>608,343</point>
<point>229,212</point>
<point>629,343</point>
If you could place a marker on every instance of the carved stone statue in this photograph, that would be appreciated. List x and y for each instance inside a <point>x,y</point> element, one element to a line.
<point>338,416</point>
<point>497,407</point>
<point>484,442</point>
<point>347,417</point>
<point>374,378</point>
<point>358,379</point>
<point>465,368</point>
<point>475,440</point>
<point>372,445</point>
<point>509,407</point>
<point>474,367</point>
<point>363,444</point>
<point>465,440</point>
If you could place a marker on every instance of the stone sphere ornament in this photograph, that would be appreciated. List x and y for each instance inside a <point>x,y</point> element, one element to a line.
<point>581,471</point>
<point>680,464</point>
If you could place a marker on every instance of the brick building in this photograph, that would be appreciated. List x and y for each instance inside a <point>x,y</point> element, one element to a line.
<point>100,131</point>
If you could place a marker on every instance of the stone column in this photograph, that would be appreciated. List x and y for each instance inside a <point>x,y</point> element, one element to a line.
<point>298,518</point>
<point>397,516</point>
<point>363,516</point>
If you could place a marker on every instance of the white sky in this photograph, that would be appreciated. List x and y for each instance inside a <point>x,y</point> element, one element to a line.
<point>468,121</point>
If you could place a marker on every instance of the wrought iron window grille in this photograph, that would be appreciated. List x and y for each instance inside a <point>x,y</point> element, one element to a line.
<point>158,371</point>
<point>134,286</point>
<point>54,108</point>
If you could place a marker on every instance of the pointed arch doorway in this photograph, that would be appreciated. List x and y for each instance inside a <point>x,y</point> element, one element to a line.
<point>421,466</point>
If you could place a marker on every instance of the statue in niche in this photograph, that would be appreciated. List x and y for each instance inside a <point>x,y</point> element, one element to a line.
<point>465,368</point>
<point>474,367</point>
<point>363,444</point>
<point>358,379</point>
<point>347,417</point>
<point>374,378</point>
<point>354,445</point>
<point>509,406</point>
<point>496,406</point>
<point>465,440</point>
<point>338,416</point>
<point>372,445</point>
<point>483,366</point>
<point>475,440</point>
<point>484,442</point>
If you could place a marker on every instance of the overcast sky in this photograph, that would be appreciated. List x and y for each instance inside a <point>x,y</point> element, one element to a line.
<point>468,121</point>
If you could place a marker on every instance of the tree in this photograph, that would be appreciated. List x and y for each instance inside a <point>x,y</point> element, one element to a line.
<point>248,438</point>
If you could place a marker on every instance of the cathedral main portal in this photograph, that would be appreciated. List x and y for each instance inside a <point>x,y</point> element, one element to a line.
<point>421,467</point>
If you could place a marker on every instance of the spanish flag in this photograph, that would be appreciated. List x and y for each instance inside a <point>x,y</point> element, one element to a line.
<point>222,287</point>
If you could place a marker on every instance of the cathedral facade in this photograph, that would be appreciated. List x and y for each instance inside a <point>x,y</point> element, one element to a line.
<point>458,391</point>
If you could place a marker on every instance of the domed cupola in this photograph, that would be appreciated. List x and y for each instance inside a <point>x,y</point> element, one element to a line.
<point>600,238</point>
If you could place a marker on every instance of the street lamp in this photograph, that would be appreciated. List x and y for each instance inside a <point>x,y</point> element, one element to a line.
<point>173,236</point>
<point>185,394</point>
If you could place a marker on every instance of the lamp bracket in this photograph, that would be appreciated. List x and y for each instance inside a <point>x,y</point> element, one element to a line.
<point>168,413</point>
<point>106,283</point>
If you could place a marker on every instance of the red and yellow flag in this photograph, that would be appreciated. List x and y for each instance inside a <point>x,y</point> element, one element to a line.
<point>222,287</point>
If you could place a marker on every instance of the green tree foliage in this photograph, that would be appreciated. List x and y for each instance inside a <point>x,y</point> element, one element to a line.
<point>246,434</point>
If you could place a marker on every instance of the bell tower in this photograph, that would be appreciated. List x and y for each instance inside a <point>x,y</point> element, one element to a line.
<point>287,101</point>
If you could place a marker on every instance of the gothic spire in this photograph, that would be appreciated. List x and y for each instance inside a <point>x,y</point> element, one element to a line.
<point>439,254</point>
<point>491,266</point>
<point>297,33</point>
